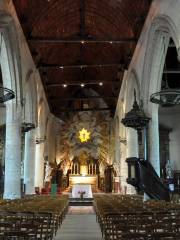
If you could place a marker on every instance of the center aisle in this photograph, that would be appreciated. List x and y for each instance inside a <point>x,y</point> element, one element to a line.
<point>79,224</point>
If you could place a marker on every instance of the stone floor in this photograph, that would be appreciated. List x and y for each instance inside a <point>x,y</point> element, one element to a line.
<point>79,224</point>
<point>81,210</point>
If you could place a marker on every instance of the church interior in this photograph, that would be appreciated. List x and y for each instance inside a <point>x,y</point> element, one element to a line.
<point>89,119</point>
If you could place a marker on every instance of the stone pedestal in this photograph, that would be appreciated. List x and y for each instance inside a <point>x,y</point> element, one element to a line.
<point>29,162</point>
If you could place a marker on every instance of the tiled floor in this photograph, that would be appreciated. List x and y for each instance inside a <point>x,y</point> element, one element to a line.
<point>79,224</point>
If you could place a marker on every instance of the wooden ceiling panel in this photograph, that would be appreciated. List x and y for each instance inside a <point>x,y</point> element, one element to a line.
<point>82,41</point>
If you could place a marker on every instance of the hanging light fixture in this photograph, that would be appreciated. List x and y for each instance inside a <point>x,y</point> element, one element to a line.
<point>6,94</point>
<point>167,97</point>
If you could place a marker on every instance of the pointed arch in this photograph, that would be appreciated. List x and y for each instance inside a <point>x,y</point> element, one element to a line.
<point>10,56</point>
<point>161,30</point>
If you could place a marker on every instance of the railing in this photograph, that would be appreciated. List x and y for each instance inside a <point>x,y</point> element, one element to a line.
<point>148,181</point>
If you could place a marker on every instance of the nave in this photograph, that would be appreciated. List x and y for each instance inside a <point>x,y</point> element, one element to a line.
<point>89,105</point>
<point>112,217</point>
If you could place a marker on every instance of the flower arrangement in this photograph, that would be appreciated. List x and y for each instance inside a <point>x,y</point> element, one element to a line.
<point>81,194</point>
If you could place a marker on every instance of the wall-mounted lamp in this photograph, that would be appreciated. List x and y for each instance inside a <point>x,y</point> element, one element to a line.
<point>26,127</point>
<point>123,140</point>
<point>40,140</point>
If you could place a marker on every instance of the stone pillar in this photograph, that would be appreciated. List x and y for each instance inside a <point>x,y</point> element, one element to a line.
<point>153,142</point>
<point>153,133</point>
<point>12,183</point>
<point>124,168</point>
<point>29,162</point>
<point>132,151</point>
<point>39,165</point>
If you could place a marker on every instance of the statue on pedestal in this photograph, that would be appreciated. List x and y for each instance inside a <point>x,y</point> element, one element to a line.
<point>48,171</point>
<point>169,169</point>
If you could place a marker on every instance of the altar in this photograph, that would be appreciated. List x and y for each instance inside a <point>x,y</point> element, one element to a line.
<point>78,188</point>
<point>79,179</point>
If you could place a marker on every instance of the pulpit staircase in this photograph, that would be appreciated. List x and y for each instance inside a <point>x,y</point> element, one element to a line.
<point>148,181</point>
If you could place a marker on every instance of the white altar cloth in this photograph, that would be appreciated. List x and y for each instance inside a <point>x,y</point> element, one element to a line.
<point>82,188</point>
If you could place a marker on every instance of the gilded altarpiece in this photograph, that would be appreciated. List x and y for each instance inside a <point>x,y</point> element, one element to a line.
<point>85,159</point>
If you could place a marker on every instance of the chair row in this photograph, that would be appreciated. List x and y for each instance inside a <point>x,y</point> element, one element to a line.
<point>123,217</point>
<point>37,218</point>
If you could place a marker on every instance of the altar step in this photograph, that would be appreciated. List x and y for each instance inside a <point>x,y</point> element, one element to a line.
<point>80,202</point>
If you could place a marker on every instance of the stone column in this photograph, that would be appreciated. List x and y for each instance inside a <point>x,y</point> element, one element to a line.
<point>153,142</point>
<point>29,162</point>
<point>132,151</point>
<point>124,168</point>
<point>39,166</point>
<point>12,183</point>
<point>153,133</point>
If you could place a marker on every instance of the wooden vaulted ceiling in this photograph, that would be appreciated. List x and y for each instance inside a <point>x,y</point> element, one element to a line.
<point>82,41</point>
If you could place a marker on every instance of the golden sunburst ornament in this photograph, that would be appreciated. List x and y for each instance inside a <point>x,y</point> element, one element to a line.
<point>84,135</point>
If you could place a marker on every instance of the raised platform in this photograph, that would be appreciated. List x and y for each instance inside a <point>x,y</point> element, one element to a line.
<point>82,188</point>
<point>80,202</point>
